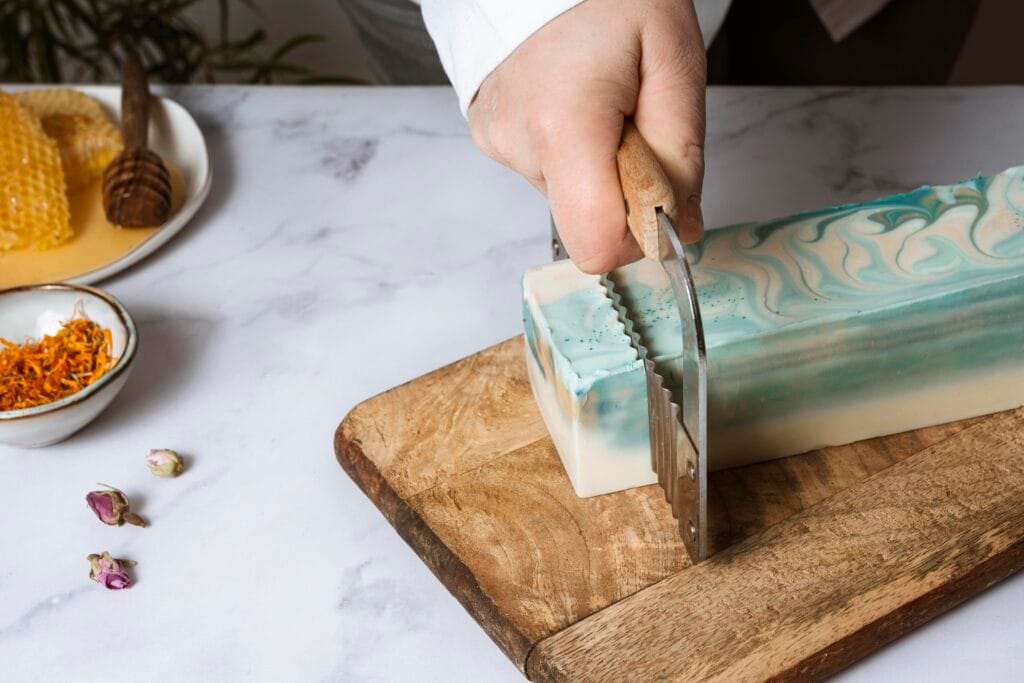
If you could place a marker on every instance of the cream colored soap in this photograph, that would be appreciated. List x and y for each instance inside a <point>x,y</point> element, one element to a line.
<point>823,328</point>
<point>586,378</point>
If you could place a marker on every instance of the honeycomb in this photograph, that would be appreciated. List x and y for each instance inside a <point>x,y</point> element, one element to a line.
<point>86,138</point>
<point>33,204</point>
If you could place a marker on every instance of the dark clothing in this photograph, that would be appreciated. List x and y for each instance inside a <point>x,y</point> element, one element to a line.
<point>782,42</point>
<point>762,42</point>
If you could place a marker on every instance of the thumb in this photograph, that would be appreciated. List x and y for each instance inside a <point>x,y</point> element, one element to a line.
<point>670,110</point>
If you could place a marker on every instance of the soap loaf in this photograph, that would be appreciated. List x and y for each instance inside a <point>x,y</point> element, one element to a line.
<point>822,328</point>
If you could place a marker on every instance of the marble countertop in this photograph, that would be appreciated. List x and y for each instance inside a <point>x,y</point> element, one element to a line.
<point>355,239</point>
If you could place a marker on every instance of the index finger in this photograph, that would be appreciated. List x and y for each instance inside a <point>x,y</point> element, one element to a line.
<point>582,178</point>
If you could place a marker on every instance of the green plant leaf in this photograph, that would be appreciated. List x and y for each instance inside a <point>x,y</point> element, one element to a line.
<point>49,39</point>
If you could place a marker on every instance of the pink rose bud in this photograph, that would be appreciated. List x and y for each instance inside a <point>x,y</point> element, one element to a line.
<point>111,507</point>
<point>110,573</point>
<point>164,462</point>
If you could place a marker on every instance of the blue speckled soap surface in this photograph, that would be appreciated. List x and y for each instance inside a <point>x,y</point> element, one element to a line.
<point>590,335</point>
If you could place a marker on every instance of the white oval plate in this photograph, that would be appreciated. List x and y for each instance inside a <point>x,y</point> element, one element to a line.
<point>174,135</point>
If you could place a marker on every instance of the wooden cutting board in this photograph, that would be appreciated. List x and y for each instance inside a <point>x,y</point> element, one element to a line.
<point>819,558</point>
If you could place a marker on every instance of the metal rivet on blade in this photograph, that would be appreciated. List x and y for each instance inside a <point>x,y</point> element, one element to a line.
<point>691,470</point>
<point>693,530</point>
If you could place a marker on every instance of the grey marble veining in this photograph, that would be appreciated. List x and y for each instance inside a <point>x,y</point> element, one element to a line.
<point>355,239</point>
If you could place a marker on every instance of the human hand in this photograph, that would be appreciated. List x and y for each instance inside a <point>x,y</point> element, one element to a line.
<point>553,112</point>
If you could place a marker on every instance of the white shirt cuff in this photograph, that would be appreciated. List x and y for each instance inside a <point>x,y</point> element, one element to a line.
<point>474,36</point>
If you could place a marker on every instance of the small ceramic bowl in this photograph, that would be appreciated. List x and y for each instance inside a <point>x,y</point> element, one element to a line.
<point>31,312</point>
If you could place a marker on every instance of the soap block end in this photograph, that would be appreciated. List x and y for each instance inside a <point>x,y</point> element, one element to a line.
<point>596,460</point>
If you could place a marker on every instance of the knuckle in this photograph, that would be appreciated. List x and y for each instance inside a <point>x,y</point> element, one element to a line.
<point>683,61</point>
<point>693,152</point>
<point>480,138</point>
<point>691,63</point>
<point>500,135</point>
<point>543,131</point>
<point>488,138</point>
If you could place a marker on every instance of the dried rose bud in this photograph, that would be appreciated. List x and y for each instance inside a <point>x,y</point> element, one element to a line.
<point>111,507</point>
<point>111,573</point>
<point>164,462</point>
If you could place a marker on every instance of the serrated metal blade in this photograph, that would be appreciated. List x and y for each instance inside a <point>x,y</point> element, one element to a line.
<point>676,402</point>
<point>677,407</point>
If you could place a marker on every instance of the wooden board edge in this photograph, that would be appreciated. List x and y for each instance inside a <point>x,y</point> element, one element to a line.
<point>869,639</point>
<point>914,614</point>
<point>442,561</point>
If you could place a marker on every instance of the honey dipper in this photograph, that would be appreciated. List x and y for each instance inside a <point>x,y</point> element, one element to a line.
<point>136,184</point>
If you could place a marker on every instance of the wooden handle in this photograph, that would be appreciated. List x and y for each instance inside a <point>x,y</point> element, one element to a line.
<point>645,188</point>
<point>134,102</point>
<point>136,184</point>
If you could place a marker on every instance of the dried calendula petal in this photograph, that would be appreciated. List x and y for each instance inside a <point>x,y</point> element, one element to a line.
<point>88,141</point>
<point>109,572</point>
<point>58,365</point>
<point>164,462</point>
<point>33,204</point>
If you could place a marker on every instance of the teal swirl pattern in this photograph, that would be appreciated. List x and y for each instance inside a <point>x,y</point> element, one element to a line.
<point>828,306</point>
<point>915,295</point>
<point>848,260</point>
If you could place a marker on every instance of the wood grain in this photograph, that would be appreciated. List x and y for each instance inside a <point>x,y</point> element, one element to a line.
<point>543,556</point>
<point>459,462</point>
<point>828,585</point>
<point>645,188</point>
<point>448,422</point>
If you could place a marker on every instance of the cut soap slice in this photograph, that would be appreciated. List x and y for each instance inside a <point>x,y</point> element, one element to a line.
<point>586,377</point>
<point>823,328</point>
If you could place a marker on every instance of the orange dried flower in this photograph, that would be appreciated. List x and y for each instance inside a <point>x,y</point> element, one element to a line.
<point>58,365</point>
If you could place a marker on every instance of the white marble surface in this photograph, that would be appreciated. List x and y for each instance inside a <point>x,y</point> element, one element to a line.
<point>354,240</point>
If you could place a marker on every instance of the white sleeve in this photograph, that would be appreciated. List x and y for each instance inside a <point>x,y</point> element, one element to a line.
<point>474,36</point>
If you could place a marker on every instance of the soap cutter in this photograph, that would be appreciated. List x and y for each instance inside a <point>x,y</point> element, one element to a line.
<point>676,406</point>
